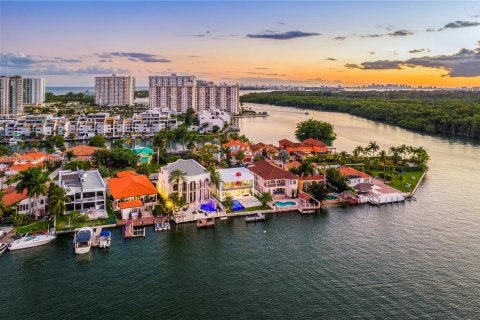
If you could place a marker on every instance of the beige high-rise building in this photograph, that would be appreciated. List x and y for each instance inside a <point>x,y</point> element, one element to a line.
<point>179,93</point>
<point>11,95</point>
<point>114,90</point>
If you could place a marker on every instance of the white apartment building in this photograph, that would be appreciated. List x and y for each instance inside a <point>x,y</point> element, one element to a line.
<point>213,118</point>
<point>11,95</point>
<point>87,126</point>
<point>114,90</point>
<point>33,91</point>
<point>180,93</point>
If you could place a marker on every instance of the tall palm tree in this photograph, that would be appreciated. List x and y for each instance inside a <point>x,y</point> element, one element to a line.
<point>304,170</point>
<point>357,152</point>
<point>214,176</point>
<point>160,142</point>
<point>342,157</point>
<point>57,200</point>
<point>395,154</point>
<point>2,205</point>
<point>34,181</point>
<point>383,157</point>
<point>176,176</point>
<point>373,147</point>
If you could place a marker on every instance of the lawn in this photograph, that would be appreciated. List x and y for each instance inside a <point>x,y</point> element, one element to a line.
<point>34,227</point>
<point>409,177</point>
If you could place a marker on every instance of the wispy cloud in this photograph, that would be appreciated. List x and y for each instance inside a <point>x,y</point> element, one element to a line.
<point>460,24</point>
<point>275,35</point>
<point>331,59</point>
<point>372,35</point>
<point>400,33</point>
<point>340,38</point>
<point>464,63</point>
<point>20,60</point>
<point>419,50</point>
<point>137,56</point>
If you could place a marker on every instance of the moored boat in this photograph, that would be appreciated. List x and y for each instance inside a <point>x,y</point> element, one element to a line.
<point>105,239</point>
<point>83,240</point>
<point>32,240</point>
<point>255,218</point>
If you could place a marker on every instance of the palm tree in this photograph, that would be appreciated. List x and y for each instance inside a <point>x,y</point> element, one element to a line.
<point>57,200</point>
<point>160,142</point>
<point>214,176</point>
<point>240,156</point>
<point>304,170</point>
<point>383,157</point>
<point>265,197</point>
<point>373,147</point>
<point>395,154</point>
<point>2,205</point>
<point>357,152</point>
<point>342,157</point>
<point>33,180</point>
<point>228,203</point>
<point>176,176</point>
<point>284,156</point>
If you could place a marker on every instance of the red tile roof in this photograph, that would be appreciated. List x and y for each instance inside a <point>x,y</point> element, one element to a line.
<point>82,151</point>
<point>350,172</point>
<point>126,173</point>
<point>24,166</point>
<point>235,143</point>
<point>317,177</point>
<point>129,185</point>
<point>130,204</point>
<point>11,196</point>
<point>270,171</point>
<point>293,164</point>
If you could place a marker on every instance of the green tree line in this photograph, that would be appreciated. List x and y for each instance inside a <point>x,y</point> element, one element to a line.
<point>454,113</point>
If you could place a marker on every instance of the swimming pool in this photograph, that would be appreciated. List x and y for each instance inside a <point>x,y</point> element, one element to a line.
<point>285,203</point>
<point>237,205</point>
<point>331,197</point>
<point>208,207</point>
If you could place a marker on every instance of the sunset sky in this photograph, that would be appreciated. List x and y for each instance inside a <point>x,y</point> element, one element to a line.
<point>311,43</point>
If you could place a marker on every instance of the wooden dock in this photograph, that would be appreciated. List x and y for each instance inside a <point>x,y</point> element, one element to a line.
<point>205,223</point>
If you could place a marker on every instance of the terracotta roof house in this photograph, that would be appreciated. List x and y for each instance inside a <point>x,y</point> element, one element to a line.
<point>264,150</point>
<point>82,152</point>
<point>269,177</point>
<point>310,179</point>
<point>16,168</point>
<point>21,201</point>
<point>354,176</point>
<point>290,165</point>
<point>235,146</point>
<point>133,194</point>
<point>308,146</point>
<point>29,157</point>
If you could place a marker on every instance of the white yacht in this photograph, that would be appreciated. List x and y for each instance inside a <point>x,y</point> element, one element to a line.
<point>32,240</point>
<point>82,241</point>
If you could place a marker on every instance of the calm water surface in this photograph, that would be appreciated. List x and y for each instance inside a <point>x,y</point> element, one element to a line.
<point>402,261</point>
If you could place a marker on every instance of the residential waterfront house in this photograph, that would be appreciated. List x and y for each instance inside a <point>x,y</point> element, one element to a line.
<point>264,150</point>
<point>268,177</point>
<point>86,189</point>
<point>22,203</point>
<point>133,194</point>
<point>235,147</point>
<point>82,152</point>
<point>308,146</point>
<point>354,176</point>
<point>194,187</point>
<point>234,182</point>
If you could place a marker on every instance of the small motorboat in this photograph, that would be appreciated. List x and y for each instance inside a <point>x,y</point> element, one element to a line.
<point>82,241</point>
<point>32,240</point>
<point>162,226</point>
<point>3,248</point>
<point>105,239</point>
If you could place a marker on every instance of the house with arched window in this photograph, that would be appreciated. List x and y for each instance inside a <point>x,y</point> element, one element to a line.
<point>194,186</point>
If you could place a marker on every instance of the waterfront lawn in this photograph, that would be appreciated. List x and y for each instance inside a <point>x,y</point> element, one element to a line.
<point>33,227</point>
<point>400,181</point>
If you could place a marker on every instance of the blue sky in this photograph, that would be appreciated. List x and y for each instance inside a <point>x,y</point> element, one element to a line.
<point>248,42</point>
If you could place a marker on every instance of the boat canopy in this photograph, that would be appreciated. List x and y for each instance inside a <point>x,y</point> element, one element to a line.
<point>105,233</point>
<point>83,236</point>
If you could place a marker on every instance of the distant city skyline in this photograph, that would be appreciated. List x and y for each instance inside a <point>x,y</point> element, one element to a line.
<point>308,43</point>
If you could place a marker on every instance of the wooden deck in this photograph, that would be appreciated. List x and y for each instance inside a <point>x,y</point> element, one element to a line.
<point>205,223</point>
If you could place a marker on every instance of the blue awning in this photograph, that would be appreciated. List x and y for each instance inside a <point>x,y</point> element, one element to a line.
<point>83,236</point>
<point>105,233</point>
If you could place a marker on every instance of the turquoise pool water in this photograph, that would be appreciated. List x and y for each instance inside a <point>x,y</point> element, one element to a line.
<point>331,197</point>
<point>285,203</point>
